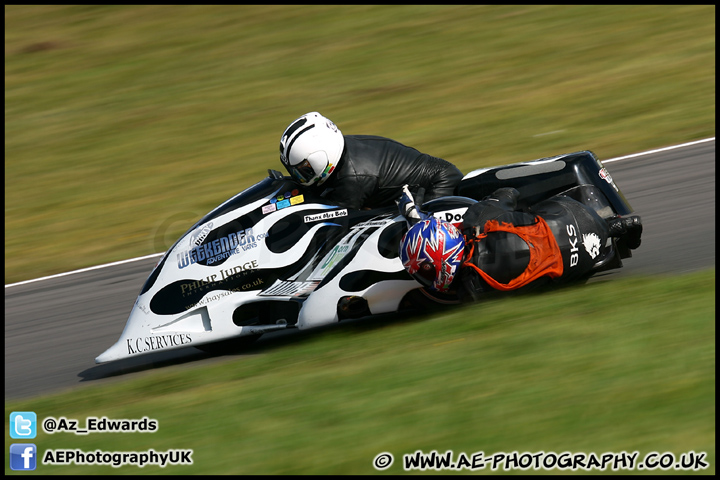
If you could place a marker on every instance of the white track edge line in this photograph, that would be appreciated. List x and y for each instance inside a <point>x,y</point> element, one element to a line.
<point>649,152</point>
<point>86,269</point>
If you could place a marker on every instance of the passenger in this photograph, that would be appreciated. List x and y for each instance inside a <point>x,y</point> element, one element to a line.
<point>501,248</point>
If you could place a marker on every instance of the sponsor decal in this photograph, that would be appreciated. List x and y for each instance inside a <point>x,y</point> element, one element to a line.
<point>451,216</point>
<point>337,253</point>
<point>605,175</point>
<point>246,286</point>
<point>572,234</point>
<point>175,297</point>
<point>326,215</point>
<point>269,208</point>
<point>156,342</point>
<point>220,248</point>
<point>191,288</point>
<point>202,235</point>
<point>591,242</point>
<point>290,289</point>
<point>283,201</point>
<point>371,223</point>
<point>144,308</point>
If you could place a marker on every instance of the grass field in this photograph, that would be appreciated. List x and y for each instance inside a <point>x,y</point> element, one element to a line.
<point>125,124</point>
<point>538,373</point>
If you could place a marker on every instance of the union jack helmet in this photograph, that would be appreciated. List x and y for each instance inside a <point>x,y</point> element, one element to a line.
<point>431,251</point>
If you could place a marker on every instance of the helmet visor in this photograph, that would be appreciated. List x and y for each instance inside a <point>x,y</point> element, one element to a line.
<point>426,274</point>
<point>303,172</point>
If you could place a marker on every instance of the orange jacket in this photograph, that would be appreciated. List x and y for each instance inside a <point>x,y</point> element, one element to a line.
<point>545,256</point>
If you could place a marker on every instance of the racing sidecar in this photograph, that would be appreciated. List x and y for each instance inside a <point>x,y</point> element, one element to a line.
<point>276,256</point>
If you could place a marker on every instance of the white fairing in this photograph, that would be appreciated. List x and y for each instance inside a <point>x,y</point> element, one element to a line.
<point>209,319</point>
<point>382,297</point>
<point>207,314</point>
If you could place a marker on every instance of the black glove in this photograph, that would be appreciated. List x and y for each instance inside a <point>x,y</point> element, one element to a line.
<point>630,228</point>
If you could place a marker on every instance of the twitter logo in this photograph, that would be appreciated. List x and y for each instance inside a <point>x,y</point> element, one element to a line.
<point>23,425</point>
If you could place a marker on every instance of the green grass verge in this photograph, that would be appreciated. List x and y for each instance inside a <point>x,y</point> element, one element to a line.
<point>584,369</point>
<point>125,124</point>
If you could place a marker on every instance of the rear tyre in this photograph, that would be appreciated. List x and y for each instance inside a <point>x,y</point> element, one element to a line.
<point>424,299</point>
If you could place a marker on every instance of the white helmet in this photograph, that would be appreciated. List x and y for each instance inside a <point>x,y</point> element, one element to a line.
<point>310,148</point>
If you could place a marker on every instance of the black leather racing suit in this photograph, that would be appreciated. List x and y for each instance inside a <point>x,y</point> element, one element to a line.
<point>372,171</point>
<point>579,233</point>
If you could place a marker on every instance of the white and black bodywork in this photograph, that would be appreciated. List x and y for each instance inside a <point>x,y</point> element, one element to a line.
<point>276,256</point>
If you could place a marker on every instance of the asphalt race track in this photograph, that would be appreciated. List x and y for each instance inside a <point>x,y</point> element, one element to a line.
<point>54,328</point>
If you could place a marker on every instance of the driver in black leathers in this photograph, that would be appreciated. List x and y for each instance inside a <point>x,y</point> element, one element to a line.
<point>360,171</point>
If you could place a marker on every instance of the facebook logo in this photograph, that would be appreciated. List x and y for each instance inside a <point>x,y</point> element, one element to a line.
<point>23,425</point>
<point>23,456</point>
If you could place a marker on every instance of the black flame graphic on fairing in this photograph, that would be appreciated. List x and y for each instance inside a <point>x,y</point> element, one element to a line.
<point>182,295</point>
<point>226,274</point>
